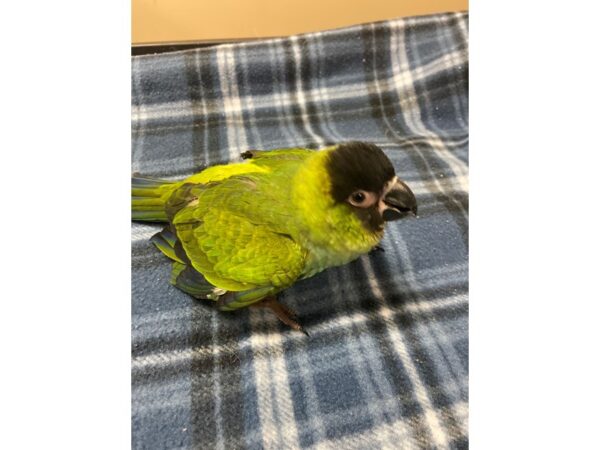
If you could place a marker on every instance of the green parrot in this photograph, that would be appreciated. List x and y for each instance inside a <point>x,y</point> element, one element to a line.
<point>240,233</point>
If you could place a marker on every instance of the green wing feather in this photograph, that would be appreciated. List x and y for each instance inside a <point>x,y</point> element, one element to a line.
<point>189,280</point>
<point>236,249</point>
<point>165,241</point>
<point>235,233</point>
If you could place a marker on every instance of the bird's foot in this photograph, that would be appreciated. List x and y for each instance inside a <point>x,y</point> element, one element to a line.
<point>377,248</point>
<point>283,313</point>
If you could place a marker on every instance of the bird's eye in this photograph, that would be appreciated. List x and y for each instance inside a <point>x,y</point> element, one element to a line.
<point>362,199</point>
<point>358,197</point>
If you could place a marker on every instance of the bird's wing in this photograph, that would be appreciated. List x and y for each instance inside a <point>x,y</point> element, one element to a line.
<point>233,232</point>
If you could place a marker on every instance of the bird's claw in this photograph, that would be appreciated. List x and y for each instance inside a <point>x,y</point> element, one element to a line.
<point>283,313</point>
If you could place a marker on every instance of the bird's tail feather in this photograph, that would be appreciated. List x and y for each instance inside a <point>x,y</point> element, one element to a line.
<point>148,198</point>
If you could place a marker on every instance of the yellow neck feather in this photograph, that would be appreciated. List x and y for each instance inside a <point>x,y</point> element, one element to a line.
<point>331,228</point>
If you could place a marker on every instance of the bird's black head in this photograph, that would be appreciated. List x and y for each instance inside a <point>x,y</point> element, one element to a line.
<point>363,177</point>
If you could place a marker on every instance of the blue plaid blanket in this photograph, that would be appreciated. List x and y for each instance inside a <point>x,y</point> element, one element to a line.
<point>386,363</point>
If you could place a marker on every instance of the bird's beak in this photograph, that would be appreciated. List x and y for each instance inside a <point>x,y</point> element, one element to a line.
<point>398,201</point>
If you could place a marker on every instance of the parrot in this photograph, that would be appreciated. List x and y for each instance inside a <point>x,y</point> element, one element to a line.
<point>240,233</point>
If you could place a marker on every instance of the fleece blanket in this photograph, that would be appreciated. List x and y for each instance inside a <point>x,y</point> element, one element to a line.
<point>386,363</point>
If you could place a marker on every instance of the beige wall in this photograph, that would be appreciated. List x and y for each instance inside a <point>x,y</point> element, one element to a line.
<point>179,21</point>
